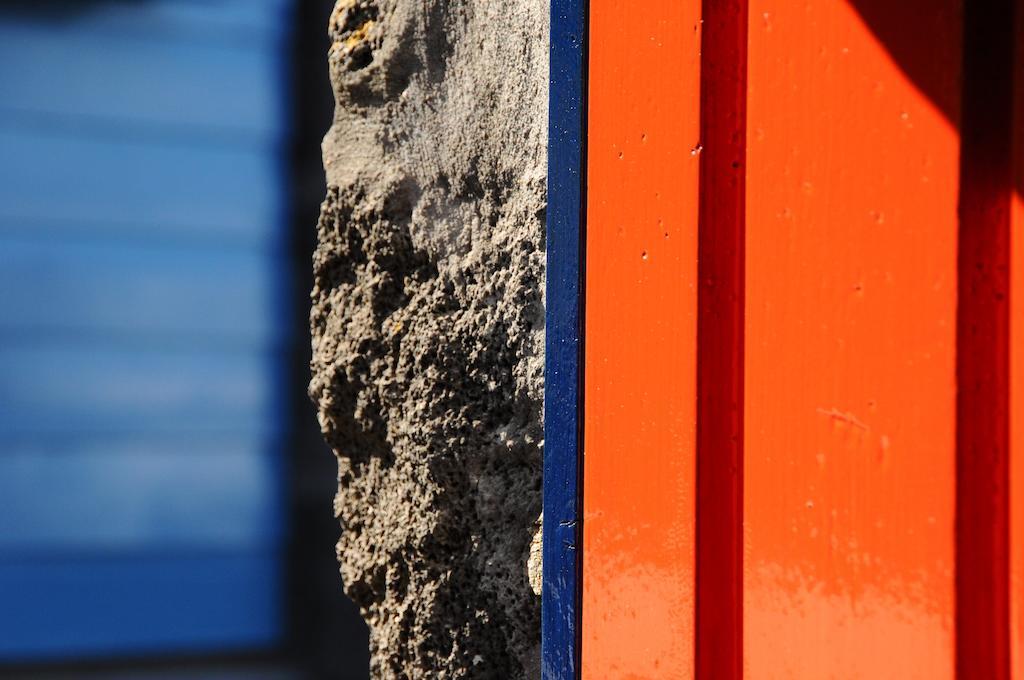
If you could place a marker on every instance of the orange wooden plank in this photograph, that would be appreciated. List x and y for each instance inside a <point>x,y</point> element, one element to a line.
<point>851,280</point>
<point>1017,363</point>
<point>640,345</point>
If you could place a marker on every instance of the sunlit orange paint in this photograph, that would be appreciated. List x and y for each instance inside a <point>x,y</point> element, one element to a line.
<point>1017,364</point>
<point>640,348</point>
<point>851,280</point>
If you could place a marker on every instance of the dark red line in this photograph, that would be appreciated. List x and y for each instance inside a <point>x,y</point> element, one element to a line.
<point>719,616</point>
<point>983,337</point>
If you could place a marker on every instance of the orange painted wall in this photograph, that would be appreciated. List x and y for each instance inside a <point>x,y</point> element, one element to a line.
<point>850,416</point>
<point>850,360</point>
<point>640,365</point>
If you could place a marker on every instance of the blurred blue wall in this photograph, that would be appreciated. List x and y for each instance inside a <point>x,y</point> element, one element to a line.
<point>142,323</point>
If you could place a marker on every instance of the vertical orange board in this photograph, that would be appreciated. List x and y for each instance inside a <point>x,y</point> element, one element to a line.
<point>851,280</point>
<point>640,339</point>
<point>1017,361</point>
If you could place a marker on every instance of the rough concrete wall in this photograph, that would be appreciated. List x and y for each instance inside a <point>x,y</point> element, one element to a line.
<point>427,327</point>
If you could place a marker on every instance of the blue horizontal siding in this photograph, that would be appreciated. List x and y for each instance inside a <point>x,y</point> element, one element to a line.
<point>44,68</point>
<point>134,604</point>
<point>143,269</point>
<point>75,387</point>
<point>198,192</point>
<point>146,492</point>
<point>102,286</point>
<point>220,21</point>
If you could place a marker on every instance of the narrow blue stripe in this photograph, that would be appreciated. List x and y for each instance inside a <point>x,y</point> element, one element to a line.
<point>562,395</point>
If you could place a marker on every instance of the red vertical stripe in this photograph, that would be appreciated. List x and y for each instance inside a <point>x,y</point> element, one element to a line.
<point>983,352</point>
<point>720,341</point>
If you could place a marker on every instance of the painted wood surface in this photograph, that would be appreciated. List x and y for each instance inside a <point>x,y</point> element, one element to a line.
<point>861,204</point>
<point>983,344</point>
<point>229,87</point>
<point>121,388</point>
<point>640,359</point>
<point>563,344</point>
<point>1017,411</point>
<point>138,188</point>
<point>1017,447</point>
<point>234,21</point>
<point>1016,396</point>
<point>148,602</point>
<point>230,296</point>
<point>720,328</point>
<point>143,270</point>
<point>851,268</point>
<point>112,494</point>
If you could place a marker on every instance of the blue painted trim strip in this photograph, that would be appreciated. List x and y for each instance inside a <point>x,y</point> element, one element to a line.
<point>564,348</point>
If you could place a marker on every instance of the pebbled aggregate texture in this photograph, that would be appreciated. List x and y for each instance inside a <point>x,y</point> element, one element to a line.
<point>427,327</point>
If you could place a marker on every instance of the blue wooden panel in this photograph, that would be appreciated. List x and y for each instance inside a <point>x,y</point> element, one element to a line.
<point>121,494</point>
<point>66,69</point>
<point>563,344</point>
<point>97,606</point>
<point>142,273</point>
<point>103,185</point>
<point>217,20</point>
<point>116,289</point>
<point>47,388</point>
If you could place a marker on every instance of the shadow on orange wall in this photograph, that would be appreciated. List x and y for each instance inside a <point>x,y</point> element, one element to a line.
<point>917,34</point>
